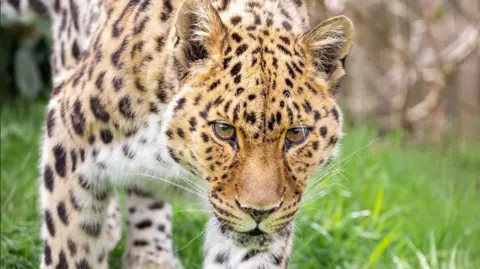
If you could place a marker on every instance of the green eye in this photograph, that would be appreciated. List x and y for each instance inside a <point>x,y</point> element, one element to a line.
<point>297,135</point>
<point>223,130</point>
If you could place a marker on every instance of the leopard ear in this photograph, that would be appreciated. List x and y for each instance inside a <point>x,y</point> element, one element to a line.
<point>327,46</point>
<point>199,29</point>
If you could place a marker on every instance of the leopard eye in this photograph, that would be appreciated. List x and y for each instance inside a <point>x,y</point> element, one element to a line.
<point>297,135</point>
<point>224,131</point>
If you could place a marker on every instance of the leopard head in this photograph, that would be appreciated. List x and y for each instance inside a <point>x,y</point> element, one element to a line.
<point>256,112</point>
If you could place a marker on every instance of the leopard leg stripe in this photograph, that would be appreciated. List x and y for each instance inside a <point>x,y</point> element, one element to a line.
<point>75,218</point>
<point>149,236</point>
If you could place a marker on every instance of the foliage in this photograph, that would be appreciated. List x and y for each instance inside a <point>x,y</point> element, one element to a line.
<point>382,204</point>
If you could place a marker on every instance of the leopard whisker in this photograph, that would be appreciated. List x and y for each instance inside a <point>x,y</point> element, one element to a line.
<point>313,199</point>
<point>196,237</point>
<point>318,185</point>
<point>199,194</point>
<point>193,210</point>
<point>348,158</point>
<point>308,209</point>
<point>218,223</point>
<point>297,229</point>
<point>337,166</point>
<point>195,186</point>
<point>190,182</point>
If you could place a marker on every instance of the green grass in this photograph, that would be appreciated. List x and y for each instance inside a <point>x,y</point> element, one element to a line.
<point>384,204</point>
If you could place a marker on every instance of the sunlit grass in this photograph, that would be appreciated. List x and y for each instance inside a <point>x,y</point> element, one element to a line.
<point>381,204</point>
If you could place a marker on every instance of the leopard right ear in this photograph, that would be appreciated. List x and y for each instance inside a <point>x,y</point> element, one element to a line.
<point>327,46</point>
<point>200,31</point>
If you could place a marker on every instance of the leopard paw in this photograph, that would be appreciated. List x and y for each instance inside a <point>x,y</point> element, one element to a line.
<point>114,224</point>
<point>162,260</point>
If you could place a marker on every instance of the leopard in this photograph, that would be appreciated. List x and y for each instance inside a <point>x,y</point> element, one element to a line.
<point>239,95</point>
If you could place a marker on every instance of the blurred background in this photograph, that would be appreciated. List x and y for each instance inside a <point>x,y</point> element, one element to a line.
<point>405,191</point>
<point>415,65</point>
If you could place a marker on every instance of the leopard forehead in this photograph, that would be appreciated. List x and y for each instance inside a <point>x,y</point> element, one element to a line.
<point>260,82</point>
<point>258,69</point>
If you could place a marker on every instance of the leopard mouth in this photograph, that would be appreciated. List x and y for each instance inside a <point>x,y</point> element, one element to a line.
<point>253,239</point>
<point>255,232</point>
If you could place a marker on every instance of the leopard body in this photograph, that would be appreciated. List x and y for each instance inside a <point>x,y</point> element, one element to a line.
<point>136,103</point>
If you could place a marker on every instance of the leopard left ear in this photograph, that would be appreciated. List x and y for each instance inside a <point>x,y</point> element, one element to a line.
<point>327,45</point>
<point>199,29</point>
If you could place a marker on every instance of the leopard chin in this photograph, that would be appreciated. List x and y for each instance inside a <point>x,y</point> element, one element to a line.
<point>255,239</point>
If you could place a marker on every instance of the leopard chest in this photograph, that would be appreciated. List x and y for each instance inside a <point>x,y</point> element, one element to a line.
<point>138,159</point>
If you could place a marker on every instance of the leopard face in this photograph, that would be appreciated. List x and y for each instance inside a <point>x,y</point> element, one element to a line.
<point>255,115</point>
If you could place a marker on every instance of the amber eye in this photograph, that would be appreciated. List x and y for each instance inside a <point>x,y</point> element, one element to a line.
<point>223,130</point>
<point>297,135</point>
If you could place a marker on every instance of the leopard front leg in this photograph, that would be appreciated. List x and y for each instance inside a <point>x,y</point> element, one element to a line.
<point>149,232</point>
<point>222,253</point>
<point>74,208</point>
<point>113,223</point>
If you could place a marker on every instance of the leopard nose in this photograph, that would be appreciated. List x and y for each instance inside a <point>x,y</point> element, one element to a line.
<point>258,214</point>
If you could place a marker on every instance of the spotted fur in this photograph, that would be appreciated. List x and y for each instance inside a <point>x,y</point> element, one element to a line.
<point>142,100</point>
